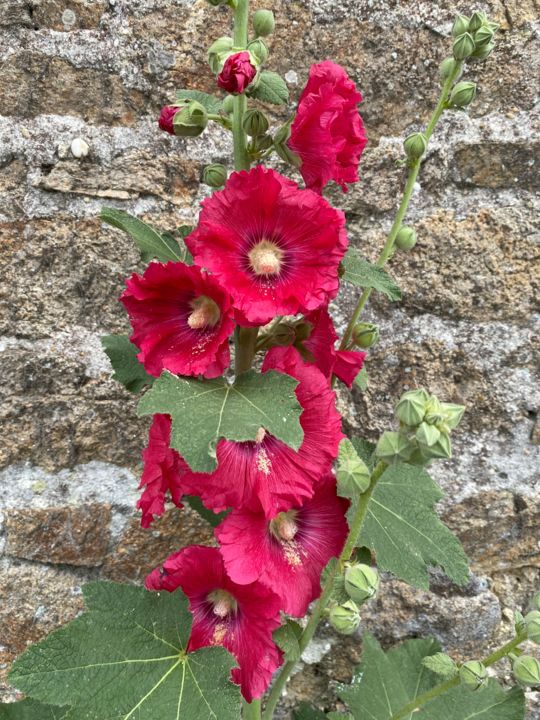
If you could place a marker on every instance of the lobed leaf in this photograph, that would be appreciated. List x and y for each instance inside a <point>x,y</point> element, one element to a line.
<point>305,711</point>
<point>127,369</point>
<point>287,638</point>
<point>149,241</point>
<point>271,88</point>
<point>211,103</point>
<point>32,710</point>
<point>362,273</point>
<point>440,664</point>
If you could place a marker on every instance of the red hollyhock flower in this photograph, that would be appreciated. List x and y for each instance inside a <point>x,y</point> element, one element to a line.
<point>267,472</point>
<point>166,118</point>
<point>275,247</point>
<point>238,72</point>
<point>328,133</point>
<point>162,473</point>
<point>345,364</point>
<point>289,552</point>
<point>241,618</point>
<point>181,319</point>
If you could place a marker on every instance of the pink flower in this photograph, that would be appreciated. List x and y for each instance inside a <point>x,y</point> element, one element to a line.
<point>238,72</point>
<point>276,248</point>
<point>241,618</point>
<point>181,319</point>
<point>162,473</point>
<point>289,552</point>
<point>166,118</point>
<point>327,132</point>
<point>345,364</point>
<point>267,472</point>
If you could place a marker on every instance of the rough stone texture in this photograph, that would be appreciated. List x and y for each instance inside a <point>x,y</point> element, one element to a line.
<point>468,326</point>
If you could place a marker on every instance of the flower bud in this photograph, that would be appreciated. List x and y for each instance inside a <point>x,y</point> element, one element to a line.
<point>526,670</point>
<point>476,21</point>
<point>352,473</point>
<point>483,36</point>
<point>447,68</point>
<point>434,410</point>
<point>411,407</point>
<point>282,148</point>
<point>255,123</point>
<point>361,582</point>
<point>218,53</point>
<point>190,120</point>
<point>427,435</point>
<point>460,26</point>
<point>463,46</point>
<point>474,674</point>
<point>259,50</point>
<point>532,625</point>
<point>452,415</point>
<point>463,94</point>
<point>228,105</point>
<point>442,449</point>
<point>263,23</point>
<point>239,71</point>
<point>406,238</point>
<point>484,51</point>
<point>215,175</point>
<point>393,447</point>
<point>345,618</point>
<point>415,145</point>
<point>166,118</point>
<point>365,335</point>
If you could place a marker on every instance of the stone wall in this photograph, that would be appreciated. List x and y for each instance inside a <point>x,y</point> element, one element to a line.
<point>466,328</point>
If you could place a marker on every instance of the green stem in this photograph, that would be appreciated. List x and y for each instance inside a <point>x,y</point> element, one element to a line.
<point>241,159</point>
<point>320,607</point>
<point>251,711</point>
<point>421,700</point>
<point>246,345</point>
<point>414,169</point>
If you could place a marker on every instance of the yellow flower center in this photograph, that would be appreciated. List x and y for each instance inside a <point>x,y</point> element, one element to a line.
<point>284,526</point>
<point>223,603</point>
<point>265,258</point>
<point>205,313</point>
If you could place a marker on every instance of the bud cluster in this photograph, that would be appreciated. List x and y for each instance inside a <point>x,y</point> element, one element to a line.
<point>424,432</point>
<point>361,583</point>
<point>474,36</point>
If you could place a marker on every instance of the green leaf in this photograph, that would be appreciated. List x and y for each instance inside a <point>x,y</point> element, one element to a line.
<point>405,532</point>
<point>203,411</point>
<point>127,369</point>
<point>125,658</point>
<point>339,716</point>
<point>31,710</point>
<point>176,240</point>
<point>353,475</point>
<point>365,450</point>
<point>211,518</point>
<point>361,381</point>
<point>440,664</point>
<point>211,103</point>
<point>271,88</point>
<point>286,638</point>
<point>151,243</point>
<point>305,711</point>
<point>332,569</point>
<point>362,273</point>
<point>385,682</point>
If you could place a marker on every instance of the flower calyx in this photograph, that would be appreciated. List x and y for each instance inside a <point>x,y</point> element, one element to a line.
<point>361,582</point>
<point>345,618</point>
<point>215,175</point>
<point>526,669</point>
<point>264,23</point>
<point>365,335</point>
<point>190,120</point>
<point>473,674</point>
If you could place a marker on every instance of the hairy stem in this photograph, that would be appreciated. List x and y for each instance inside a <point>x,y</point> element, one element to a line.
<point>241,159</point>
<point>414,169</point>
<point>251,711</point>
<point>246,345</point>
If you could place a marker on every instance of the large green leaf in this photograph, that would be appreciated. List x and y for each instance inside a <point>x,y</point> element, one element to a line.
<point>211,103</point>
<point>32,710</point>
<point>151,243</point>
<point>203,411</point>
<point>287,638</point>
<point>271,88</point>
<point>127,369</point>
<point>360,272</point>
<point>385,682</point>
<point>405,532</point>
<point>125,659</point>
<point>305,711</point>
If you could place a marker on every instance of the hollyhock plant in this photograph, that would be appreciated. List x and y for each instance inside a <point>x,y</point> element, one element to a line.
<point>162,473</point>
<point>181,319</point>
<point>276,248</point>
<point>288,552</point>
<point>268,473</point>
<point>327,133</point>
<point>166,118</point>
<point>238,72</point>
<point>241,618</point>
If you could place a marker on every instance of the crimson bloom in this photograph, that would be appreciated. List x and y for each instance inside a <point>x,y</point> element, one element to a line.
<point>276,248</point>
<point>238,72</point>
<point>181,319</point>
<point>328,133</point>
<point>166,118</point>
<point>289,552</point>
<point>162,473</point>
<point>241,618</point>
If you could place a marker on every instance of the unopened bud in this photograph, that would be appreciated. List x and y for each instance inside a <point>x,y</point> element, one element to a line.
<point>218,52</point>
<point>526,670</point>
<point>532,625</point>
<point>474,674</point>
<point>463,46</point>
<point>484,51</point>
<point>440,450</point>
<point>415,145</point>
<point>361,582</point>
<point>434,410</point>
<point>228,105</point>
<point>463,94</point>
<point>427,435</point>
<point>393,447</point>
<point>406,238</point>
<point>452,415</point>
<point>447,68</point>
<point>259,49</point>
<point>190,120</point>
<point>215,175</point>
<point>345,618</point>
<point>460,26</point>
<point>264,23</point>
<point>352,473</point>
<point>365,335</point>
<point>477,20</point>
<point>411,407</point>
<point>281,139</point>
<point>255,123</point>
<point>483,36</point>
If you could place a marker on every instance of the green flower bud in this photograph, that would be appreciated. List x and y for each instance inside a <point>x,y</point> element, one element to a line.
<point>345,618</point>
<point>474,674</point>
<point>463,46</point>
<point>255,123</point>
<point>442,449</point>
<point>526,670</point>
<point>352,473</point>
<point>191,120</point>
<point>406,238</point>
<point>215,175</point>
<point>228,105</point>
<point>259,50</point>
<point>460,26</point>
<point>281,138</point>
<point>532,625</point>
<point>463,94</point>
<point>447,68</point>
<point>365,335</point>
<point>264,23</point>
<point>427,435</point>
<point>434,410</point>
<point>393,447</point>
<point>452,415</point>
<point>477,20</point>
<point>411,407</point>
<point>484,51</point>
<point>218,52</point>
<point>415,145</point>
<point>483,36</point>
<point>361,582</point>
